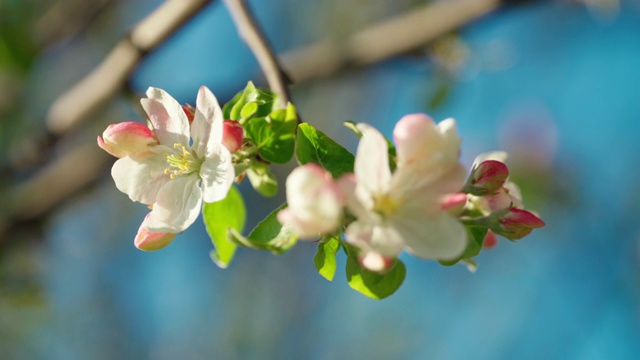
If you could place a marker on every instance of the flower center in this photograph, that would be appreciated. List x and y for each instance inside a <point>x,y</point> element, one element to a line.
<point>385,205</point>
<point>182,163</point>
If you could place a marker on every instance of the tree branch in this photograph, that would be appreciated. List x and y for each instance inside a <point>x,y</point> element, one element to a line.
<point>253,37</point>
<point>88,95</point>
<point>395,36</point>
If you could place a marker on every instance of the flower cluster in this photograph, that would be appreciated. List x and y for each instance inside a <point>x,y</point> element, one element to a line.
<point>420,207</point>
<point>412,194</point>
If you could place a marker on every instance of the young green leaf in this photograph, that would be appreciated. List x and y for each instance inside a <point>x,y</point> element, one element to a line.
<point>248,103</point>
<point>325,259</point>
<point>267,235</point>
<point>374,285</point>
<point>262,180</point>
<point>274,135</point>
<point>314,146</point>
<point>220,216</point>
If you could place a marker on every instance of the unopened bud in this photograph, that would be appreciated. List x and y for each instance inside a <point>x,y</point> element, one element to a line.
<point>487,178</point>
<point>190,111</point>
<point>150,241</point>
<point>373,261</point>
<point>490,240</point>
<point>126,138</point>
<point>453,203</point>
<point>515,223</point>
<point>232,134</point>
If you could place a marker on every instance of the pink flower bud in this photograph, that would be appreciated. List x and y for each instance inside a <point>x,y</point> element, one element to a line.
<point>373,261</point>
<point>487,178</point>
<point>516,223</point>
<point>189,111</point>
<point>232,133</point>
<point>453,203</point>
<point>149,241</point>
<point>490,240</point>
<point>126,138</point>
<point>315,202</point>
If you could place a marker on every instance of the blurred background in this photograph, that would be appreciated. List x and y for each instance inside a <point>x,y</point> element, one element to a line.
<point>554,83</point>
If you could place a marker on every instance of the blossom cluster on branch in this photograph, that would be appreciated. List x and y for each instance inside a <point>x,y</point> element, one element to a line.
<point>412,194</point>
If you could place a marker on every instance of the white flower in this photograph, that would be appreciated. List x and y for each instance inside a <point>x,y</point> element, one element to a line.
<point>315,202</point>
<point>175,176</point>
<point>403,209</point>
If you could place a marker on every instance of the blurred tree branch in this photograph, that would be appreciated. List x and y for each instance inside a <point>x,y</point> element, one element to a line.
<point>395,36</point>
<point>88,95</point>
<point>392,37</point>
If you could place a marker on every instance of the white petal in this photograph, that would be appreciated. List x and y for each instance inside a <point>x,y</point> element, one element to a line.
<point>169,121</point>
<point>381,239</point>
<point>217,174</point>
<point>413,185</point>
<point>177,206</point>
<point>206,129</point>
<point>141,176</point>
<point>423,145</point>
<point>372,160</point>
<point>358,207</point>
<point>435,237</point>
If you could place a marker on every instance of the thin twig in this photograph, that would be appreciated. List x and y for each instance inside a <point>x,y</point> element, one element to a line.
<point>253,37</point>
<point>88,95</point>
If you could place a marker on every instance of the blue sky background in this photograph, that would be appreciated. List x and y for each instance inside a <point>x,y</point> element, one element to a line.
<point>562,97</point>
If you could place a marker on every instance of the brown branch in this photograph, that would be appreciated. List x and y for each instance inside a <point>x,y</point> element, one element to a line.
<point>398,35</point>
<point>254,38</point>
<point>88,95</point>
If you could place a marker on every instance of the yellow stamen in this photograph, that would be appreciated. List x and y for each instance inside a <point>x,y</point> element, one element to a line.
<point>385,205</point>
<point>183,163</point>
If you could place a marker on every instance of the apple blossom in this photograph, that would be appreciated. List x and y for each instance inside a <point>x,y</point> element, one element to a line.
<point>315,202</point>
<point>404,209</point>
<point>176,175</point>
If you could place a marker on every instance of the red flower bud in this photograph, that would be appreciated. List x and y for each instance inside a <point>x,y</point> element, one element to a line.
<point>232,134</point>
<point>190,111</point>
<point>516,223</point>
<point>490,240</point>
<point>487,178</point>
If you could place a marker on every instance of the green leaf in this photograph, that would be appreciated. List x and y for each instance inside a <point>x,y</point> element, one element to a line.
<point>248,110</point>
<point>267,235</point>
<point>274,135</point>
<point>315,147</point>
<point>474,245</point>
<point>248,103</point>
<point>374,285</point>
<point>262,180</point>
<point>325,259</point>
<point>229,213</point>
